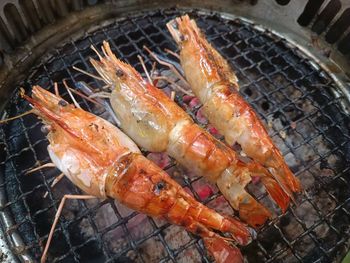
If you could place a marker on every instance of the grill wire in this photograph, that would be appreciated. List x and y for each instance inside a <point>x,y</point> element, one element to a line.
<point>299,103</point>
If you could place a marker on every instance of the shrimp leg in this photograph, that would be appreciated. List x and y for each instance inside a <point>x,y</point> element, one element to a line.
<point>46,165</point>
<point>222,251</point>
<point>57,216</point>
<point>54,182</point>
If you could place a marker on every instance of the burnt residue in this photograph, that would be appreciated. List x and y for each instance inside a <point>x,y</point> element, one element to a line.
<point>300,105</point>
<point>159,186</point>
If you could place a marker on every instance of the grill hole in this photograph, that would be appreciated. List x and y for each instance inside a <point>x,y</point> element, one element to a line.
<point>326,16</point>
<point>344,44</point>
<point>265,106</point>
<point>90,250</point>
<point>339,27</point>
<point>309,12</point>
<point>248,91</point>
<point>283,2</point>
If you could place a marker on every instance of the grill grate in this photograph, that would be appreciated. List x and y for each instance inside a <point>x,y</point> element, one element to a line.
<point>298,101</point>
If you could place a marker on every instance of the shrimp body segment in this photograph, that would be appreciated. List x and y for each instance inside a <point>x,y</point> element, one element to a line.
<point>215,84</point>
<point>158,124</point>
<point>102,161</point>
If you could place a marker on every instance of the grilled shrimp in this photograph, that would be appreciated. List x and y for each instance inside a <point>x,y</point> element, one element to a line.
<point>103,162</point>
<point>158,124</point>
<point>214,83</point>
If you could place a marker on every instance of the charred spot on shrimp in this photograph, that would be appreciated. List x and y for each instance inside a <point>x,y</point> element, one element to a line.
<point>142,172</point>
<point>161,185</point>
<point>94,126</point>
<point>182,38</point>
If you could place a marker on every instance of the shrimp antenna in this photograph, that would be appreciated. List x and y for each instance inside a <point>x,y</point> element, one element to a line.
<point>56,89</point>
<point>21,92</point>
<point>165,62</point>
<point>104,52</point>
<point>88,91</point>
<point>46,165</point>
<point>71,95</point>
<point>172,53</point>
<point>96,51</point>
<point>17,117</point>
<point>174,85</point>
<point>85,97</point>
<point>54,182</point>
<point>172,95</point>
<point>57,216</point>
<point>145,69</point>
<point>88,73</point>
<point>153,69</point>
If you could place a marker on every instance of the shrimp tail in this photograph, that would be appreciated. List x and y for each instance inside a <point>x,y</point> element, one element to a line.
<point>222,251</point>
<point>239,231</point>
<point>252,212</point>
<point>276,192</point>
<point>282,173</point>
<point>219,248</point>
<point>295,183</point>
<point>272,186</point>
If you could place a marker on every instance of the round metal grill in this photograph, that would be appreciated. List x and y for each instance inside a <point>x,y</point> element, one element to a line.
<point>302,106</point>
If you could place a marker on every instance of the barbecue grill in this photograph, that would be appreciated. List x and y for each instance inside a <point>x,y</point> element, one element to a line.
<point>292,61</point>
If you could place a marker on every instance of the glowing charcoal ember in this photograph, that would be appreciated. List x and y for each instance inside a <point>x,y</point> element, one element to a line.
<point>200,117</point>
<point>194,103</point>
<point>187,98</point>
<point>161,159</point>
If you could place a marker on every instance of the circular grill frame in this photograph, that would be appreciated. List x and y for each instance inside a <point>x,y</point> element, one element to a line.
<point>255,105</point>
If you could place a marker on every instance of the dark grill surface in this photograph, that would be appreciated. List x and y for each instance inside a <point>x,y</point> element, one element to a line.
<point>300,104</point>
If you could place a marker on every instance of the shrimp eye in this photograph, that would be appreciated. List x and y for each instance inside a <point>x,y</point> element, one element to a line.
<point>63,103</point>
<point>159,187</point>
<point>120,73</point>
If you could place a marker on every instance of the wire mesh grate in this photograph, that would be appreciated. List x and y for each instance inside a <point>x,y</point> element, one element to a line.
<point>299,102</point>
